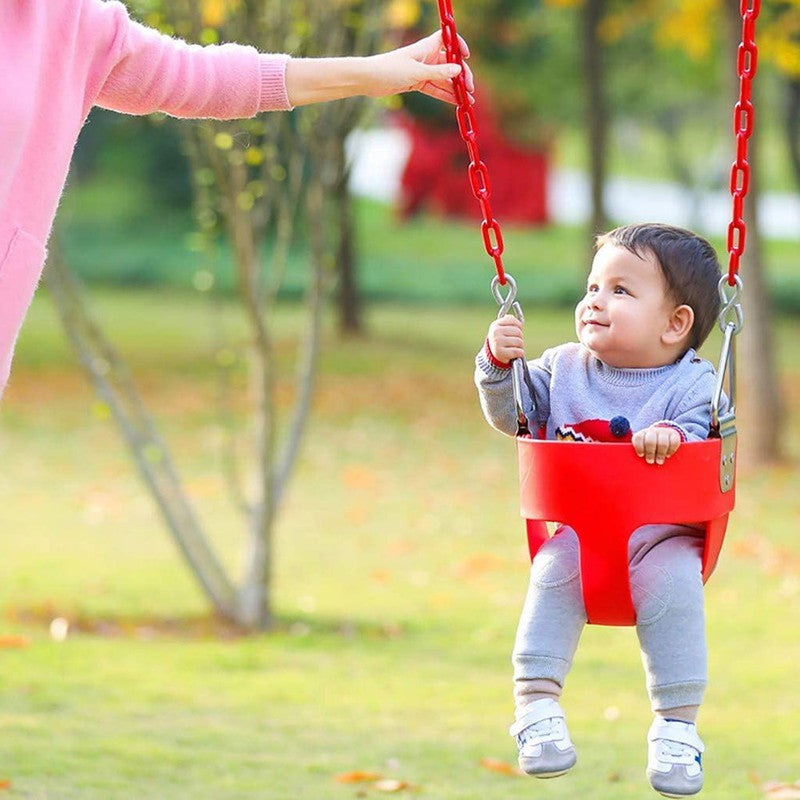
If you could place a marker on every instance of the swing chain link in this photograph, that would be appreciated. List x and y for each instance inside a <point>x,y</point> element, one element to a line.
<point>467,127</point>
<point>743,118</point>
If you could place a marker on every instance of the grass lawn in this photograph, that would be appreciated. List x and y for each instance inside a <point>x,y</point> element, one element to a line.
<point>399,574</point>
<point>424,261</point>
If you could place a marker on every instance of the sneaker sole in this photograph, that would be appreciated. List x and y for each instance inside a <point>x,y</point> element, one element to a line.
<point>678,795</point>
<point>553,773</point>
<point>546,775</point>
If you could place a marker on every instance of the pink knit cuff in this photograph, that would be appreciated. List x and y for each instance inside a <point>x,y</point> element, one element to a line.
<point>274,96</point>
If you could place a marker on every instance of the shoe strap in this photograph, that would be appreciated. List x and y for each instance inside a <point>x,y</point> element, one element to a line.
<point>675,731</point>
<point>535,712</point>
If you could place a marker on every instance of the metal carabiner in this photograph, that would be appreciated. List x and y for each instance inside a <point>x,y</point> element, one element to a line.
<point>730,304</point>
<point>726,366</point>
<point>520,374</point>
<point>723,424</point>
<point>509,302</point>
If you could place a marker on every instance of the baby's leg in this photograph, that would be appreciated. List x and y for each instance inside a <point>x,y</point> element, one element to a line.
<point>667,589</point>
<point>551,622</point>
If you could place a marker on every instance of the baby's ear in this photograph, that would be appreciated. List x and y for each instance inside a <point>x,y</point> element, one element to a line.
<point>679,325</point>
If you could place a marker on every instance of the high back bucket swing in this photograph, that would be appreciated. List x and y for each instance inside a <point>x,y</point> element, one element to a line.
<point>620,492</point>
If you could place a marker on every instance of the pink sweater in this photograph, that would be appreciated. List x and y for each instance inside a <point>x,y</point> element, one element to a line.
<point>58,58</point>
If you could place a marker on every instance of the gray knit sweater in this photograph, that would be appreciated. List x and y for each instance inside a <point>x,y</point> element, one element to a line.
<point>578,396</point>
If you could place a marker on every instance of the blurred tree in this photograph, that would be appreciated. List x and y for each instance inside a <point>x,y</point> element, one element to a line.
<point>270,174</point>
<point>597,117</point>
<point>675,45</point>
<point>781,48</point>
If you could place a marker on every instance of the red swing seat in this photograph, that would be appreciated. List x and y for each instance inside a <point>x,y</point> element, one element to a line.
<point>605,492</point>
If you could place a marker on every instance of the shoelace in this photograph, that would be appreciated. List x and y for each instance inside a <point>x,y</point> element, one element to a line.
<point>676,753</point>
<point>547,730</point>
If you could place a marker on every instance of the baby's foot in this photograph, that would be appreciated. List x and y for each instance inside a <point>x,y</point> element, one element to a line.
<point>674,758</point>
<point>545,749</point>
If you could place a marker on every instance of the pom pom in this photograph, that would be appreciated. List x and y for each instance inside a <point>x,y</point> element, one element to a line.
<point>619,427</point>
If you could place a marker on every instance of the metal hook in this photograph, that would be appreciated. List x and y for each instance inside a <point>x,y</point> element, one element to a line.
<point>730,304</point>
<point>521,380</point>
<point>509,302</point>
<point>725,368</point>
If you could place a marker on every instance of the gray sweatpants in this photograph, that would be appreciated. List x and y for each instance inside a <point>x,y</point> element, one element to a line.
<point>667,591</point>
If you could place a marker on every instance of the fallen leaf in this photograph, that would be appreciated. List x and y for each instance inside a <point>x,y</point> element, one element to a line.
<point>358,477</point>
<point>391,785</point>
<point>5,783</point>
<point>478,564</point>
<point>503,767</point>
<point>9,642</point>
<point>357,776</point>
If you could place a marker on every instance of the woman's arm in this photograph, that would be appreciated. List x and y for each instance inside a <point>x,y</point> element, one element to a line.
<point>420,66</point>
<point>139,70</point>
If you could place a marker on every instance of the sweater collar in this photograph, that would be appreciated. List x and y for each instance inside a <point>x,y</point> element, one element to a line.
<point>629,376</point>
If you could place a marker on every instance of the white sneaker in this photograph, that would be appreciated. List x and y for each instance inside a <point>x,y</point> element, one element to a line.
<point>674,758</point>
<point>545,749</point>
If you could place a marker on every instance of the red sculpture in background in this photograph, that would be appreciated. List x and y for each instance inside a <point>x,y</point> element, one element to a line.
<point>433,178</point>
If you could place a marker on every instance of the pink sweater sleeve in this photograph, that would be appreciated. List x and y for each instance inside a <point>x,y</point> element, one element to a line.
<point>150,71</point>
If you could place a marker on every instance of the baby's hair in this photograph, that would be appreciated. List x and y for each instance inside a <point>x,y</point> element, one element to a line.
<point>689,265</point>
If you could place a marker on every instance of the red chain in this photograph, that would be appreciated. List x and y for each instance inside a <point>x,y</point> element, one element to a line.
<point>743,117</point>
<point>478,174</point>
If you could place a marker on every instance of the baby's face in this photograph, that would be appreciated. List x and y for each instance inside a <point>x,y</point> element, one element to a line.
<point>626,310</point>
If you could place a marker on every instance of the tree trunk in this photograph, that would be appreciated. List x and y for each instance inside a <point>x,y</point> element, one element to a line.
<point>793,126</point>
<point>348,296</point>
<point>109,375</point>
<point>596,112</point>
<point>759,407</point>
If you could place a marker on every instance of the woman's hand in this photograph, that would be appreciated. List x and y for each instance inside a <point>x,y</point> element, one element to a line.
<point>422,67</point>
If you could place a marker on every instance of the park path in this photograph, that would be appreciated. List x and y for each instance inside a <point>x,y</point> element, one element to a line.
<point>379,156</point>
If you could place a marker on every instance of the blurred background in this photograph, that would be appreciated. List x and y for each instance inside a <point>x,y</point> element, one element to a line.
<point>258,540</point>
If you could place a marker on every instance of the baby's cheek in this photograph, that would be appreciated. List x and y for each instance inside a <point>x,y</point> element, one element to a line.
<point>579,309</point>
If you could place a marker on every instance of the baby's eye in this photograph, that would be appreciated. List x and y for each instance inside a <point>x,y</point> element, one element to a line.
<point>620,290</point>
<point>592,288</point>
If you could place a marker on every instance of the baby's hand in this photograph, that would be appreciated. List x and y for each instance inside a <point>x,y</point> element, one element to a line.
<point>505,339</point>
<point>656,443</point>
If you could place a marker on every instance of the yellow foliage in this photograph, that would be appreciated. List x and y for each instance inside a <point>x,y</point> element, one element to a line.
<point>254,156</point>
<point>689,26</point>
<point>215,12</point>
<point>564,3</point>
<point>613,28</point>
<point>780,42</point>
<point>403,13</point>
<point>223,141</point>
<point>783,52</point>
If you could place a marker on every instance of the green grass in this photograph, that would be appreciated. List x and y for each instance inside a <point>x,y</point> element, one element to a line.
<point>399,573</point>
<point>125,238</point>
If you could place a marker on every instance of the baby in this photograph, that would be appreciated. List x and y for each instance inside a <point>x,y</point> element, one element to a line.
<point>634,375</point>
